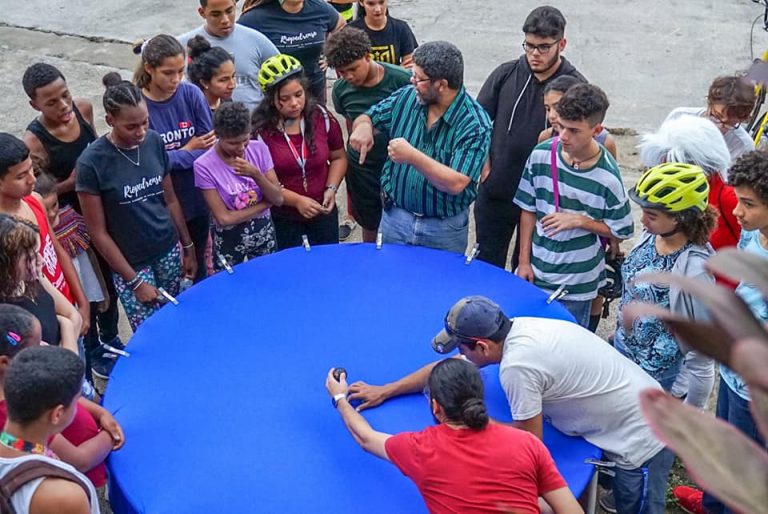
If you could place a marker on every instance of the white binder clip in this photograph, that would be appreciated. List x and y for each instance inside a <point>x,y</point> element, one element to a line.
<point>379,239</point>
<point>559,293</point>
<point>305,242</point>
<point>168,296</point>
<point>474,253</point>
<point>225,264</point>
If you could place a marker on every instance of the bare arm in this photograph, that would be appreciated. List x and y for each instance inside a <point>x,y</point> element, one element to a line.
<point>71,328</point>
<point>535,425</point>
<point>85,456</point>
<point>369,439</point>
<point>406,61</point>
<point>105,420</point>
<point>189,260</point>
<point>372,396</point>
<point>93,212</point>
<point>561,501</point>
<point>226,217</point>
<point>610,145</point>
<point>59,496</point>
<point>527,226</point>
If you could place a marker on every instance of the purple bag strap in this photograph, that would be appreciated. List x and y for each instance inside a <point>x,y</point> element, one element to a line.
<point>553,165</point>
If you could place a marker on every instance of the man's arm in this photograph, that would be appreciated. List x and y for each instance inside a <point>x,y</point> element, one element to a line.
<point>561,501</point>
<point>372,396</point>
<point>534,425</point>
<point>368,438</point>
<point>443,177</point>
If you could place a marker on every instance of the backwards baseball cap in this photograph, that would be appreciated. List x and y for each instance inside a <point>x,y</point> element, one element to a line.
<point>470,319</point>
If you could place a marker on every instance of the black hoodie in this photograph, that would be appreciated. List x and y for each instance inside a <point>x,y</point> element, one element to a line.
<point>513,90</point>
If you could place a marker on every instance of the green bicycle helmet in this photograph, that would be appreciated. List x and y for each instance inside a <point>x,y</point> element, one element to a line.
<point>673,187</point>
<point>278,68</point>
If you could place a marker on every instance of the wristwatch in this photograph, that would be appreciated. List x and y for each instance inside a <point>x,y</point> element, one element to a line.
<point>337,397</point>
<point>333,188</point>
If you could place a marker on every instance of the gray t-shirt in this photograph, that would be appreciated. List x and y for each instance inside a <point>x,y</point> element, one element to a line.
<point>737,139</point>
<point>580,384</point>
<point>249,48</point>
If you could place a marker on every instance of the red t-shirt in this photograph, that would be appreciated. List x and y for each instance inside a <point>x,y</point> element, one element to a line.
<point>51,267</point>
<point>727,231</point>
<point>497,469</point>
<point>287,168</point>
<point>723,199</point>
<point>82,428</point>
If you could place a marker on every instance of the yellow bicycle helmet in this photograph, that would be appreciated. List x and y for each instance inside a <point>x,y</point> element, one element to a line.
<point>672,186</point>
<point>277,68</point>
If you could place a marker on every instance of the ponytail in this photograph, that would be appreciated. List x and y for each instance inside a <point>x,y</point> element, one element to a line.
<point>153,52</point>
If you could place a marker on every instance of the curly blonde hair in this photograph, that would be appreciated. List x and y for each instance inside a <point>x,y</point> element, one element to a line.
<point>18,243</point>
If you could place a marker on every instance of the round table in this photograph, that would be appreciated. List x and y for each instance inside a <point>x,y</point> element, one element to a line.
<point>223,400</point>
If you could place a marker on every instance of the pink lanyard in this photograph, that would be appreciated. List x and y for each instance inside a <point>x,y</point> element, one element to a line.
<point>553,165</point>
<point>301,160</point>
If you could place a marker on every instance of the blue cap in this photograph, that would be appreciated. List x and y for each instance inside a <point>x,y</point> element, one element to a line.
<point>470,319</point>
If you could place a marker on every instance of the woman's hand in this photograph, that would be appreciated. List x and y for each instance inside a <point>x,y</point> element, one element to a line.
<point>189,262</point>
<point>308,208</point>
<point>202,142</point>
<point>146,293</point>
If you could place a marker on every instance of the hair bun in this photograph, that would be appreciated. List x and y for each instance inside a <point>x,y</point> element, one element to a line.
<point>137,45</point>
<point>111,79</point>
<point>197,46</point>
<point>474,413</point>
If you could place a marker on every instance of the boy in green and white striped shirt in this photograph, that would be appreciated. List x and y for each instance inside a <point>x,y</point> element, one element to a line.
<point>563,218</point>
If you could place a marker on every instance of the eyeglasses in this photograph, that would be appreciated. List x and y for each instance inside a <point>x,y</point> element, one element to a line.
<point>723,123</point>
<point>542,49</point>
<point>416,80</point>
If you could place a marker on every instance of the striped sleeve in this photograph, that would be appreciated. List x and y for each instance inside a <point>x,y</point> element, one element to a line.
<point>469,155</point>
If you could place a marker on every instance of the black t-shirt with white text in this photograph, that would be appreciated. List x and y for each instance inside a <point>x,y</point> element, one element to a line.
<point>137,217</point>
<point>301,35</point>
<point>392,42</point>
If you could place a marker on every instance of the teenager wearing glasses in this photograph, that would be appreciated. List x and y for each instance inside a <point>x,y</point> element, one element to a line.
<point>730,101</point>
<point>513,95</point>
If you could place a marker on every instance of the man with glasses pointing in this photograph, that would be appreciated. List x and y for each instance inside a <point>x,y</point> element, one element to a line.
<point>513,96</point>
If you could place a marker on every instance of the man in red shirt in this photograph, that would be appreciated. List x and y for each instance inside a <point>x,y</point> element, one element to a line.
<point>464,463</point>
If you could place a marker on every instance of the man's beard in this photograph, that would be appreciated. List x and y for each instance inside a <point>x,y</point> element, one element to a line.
<point>430,97</point>
<point>548,64</point>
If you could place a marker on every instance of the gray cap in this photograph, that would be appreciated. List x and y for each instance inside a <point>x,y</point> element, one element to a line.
<point>471,318</point>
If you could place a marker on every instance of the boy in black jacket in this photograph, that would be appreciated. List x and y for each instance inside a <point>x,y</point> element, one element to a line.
<point>513,95</point>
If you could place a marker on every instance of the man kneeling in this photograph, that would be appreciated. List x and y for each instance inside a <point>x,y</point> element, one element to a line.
<point>464,463</point>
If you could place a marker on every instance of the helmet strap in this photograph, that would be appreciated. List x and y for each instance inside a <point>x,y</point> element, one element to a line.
<point>671,232</point>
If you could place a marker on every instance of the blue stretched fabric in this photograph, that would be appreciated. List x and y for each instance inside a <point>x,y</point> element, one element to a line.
<point>223,400</point>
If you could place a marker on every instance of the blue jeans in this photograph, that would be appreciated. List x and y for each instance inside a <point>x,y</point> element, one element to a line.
<point>404,227</point>
<point>580,309</point>
<point>642,490</point>
<point>735,410</point>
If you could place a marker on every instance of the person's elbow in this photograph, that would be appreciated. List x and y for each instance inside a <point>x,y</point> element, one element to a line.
<point>458,184</point>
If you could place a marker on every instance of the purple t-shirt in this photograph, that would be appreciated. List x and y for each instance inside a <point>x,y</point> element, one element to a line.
<point>237,192</point>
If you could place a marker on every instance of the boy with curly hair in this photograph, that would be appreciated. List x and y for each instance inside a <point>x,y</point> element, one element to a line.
<point>362,84</point>
<point>571,194</point>
<point>749,178</point>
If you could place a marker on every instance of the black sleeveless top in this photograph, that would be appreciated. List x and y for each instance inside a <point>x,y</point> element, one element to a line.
<point>42,307</point>
<point>62,156</point>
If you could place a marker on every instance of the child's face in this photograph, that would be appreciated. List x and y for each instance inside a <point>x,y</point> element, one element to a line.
<point>657,222</point>
<point>751,211</point>
<point>234,147</point>
<point>51,204</point>
<point>19,180</point>
<point>550,102</point>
